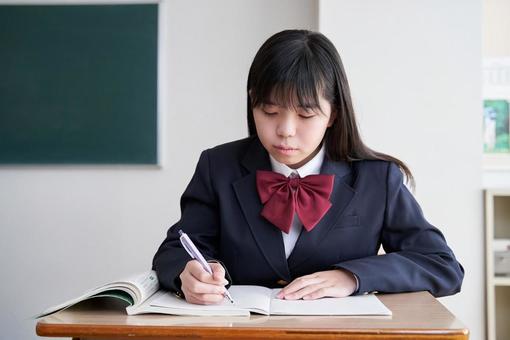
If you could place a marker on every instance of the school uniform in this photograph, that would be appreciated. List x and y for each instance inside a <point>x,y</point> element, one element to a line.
<point>221,212</point>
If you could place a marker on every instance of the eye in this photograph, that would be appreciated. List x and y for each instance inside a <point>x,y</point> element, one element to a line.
<point>269,113</point>
<point>306,117</point>
<point>307,113</point>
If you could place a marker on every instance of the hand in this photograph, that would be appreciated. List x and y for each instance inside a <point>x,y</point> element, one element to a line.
<point>330,283</point>
<point>200,287</point>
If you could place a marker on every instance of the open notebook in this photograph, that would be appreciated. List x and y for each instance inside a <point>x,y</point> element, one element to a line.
<point>261,300</point>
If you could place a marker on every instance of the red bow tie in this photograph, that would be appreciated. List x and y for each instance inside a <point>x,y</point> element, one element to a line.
<point>282,196</point>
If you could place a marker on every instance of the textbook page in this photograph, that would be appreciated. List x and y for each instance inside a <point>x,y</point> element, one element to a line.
<point>134,290</point>
<point>146,284</point>
<point>351,305</point>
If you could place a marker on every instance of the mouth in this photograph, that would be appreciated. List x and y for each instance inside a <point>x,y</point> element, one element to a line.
<point>285,148</point>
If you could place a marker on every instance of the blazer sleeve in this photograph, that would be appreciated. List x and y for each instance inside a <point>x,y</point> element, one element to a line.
<point>199,219</point>
<point>417,256</point>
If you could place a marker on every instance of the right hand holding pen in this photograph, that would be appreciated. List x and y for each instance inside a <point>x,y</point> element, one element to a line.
<point>200,287</point>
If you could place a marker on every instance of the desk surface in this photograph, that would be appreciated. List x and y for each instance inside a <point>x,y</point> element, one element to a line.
<point>415,316</point>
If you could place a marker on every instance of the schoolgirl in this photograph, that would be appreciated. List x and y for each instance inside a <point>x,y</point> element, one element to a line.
<point>303,203</point>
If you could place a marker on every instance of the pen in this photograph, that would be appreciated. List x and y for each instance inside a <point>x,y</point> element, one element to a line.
<point>196,255</point>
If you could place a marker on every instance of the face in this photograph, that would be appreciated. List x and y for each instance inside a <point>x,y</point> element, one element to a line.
<point>292,136</point>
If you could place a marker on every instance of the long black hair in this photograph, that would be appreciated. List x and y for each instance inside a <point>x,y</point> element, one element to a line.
<point>293,68</point>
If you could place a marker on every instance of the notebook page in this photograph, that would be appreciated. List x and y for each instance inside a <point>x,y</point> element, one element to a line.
<point>168,303</point>
<point>246,298</point>
<point>254,298</point>
<point>351,305</point>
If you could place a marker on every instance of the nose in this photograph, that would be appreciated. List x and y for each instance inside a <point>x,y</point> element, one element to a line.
<point>286,126</point>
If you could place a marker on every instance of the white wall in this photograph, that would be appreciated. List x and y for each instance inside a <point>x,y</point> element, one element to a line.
<point>415,74</point>
<point>496,28</point>
<point>65,229</point>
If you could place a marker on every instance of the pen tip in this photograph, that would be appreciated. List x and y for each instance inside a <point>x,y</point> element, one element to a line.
<point>180,232</point>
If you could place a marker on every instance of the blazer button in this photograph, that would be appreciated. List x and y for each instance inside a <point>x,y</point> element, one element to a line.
<point>282,282</point>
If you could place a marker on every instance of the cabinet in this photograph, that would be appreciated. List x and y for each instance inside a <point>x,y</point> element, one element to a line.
<point>497,232</point>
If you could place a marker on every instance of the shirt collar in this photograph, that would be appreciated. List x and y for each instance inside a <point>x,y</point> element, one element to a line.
<point>312,167</point>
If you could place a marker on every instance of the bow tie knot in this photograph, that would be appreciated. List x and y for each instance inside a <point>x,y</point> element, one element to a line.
<point>282,196</point>
<point>294,182</point>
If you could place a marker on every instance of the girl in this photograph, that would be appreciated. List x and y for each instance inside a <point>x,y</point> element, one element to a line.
<point>302,203</point>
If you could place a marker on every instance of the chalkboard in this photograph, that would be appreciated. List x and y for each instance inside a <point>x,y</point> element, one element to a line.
<point>78,84</point>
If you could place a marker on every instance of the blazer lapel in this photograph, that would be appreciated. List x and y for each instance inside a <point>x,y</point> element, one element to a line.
<point>268,237</point>
<point>308,243</point>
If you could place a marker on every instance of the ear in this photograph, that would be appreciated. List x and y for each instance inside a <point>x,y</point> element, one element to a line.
<point>332,118</point>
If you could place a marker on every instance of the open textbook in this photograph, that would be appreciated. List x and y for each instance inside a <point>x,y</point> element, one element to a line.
<point>134,290</point>
<point>142,296</point>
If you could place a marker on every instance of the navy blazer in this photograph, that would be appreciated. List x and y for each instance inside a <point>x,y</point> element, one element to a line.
<point>370,206</point>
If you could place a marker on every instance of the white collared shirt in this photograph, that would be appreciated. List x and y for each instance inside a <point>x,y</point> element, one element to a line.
<point>312,167</point>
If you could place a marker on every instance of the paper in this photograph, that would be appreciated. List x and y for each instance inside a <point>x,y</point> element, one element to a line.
<point>262,300</point>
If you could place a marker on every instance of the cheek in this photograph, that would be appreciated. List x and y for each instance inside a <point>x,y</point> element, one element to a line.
<point>263,130</point>
<point>263,127</point>
<point>313,132</point>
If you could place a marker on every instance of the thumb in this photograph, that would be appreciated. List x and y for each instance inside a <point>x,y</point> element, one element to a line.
<point>218,272</point>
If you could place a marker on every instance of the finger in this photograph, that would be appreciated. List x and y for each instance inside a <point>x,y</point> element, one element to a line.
<point>206,299</point>
<point>198,287</point>
<point>192,298</point>
<point>201,298</point>
<point>218,273</point>
<point>211,298</point>
<point>195,268</point>
<point>305,291</point>
<point>192,284</point>
<point>332,291</point>
<point>300,283</point>
<point>319,293</point>
<point>198,271</point>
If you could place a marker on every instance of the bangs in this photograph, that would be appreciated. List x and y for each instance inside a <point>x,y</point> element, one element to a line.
<point>289,82</point>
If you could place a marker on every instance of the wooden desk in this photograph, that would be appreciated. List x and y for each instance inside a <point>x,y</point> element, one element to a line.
<point>415,316</point>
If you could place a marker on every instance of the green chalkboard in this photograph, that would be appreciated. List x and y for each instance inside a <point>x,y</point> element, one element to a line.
<point>78,84</point>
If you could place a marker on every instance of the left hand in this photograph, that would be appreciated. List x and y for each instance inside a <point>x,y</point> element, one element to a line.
<point>330,283</point>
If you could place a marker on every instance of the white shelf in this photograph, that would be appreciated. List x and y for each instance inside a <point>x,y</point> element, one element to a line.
<point>501,281</point>
<point>497,227</point>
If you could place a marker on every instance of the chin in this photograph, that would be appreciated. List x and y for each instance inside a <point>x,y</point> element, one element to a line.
<point>286,160</point>
<point>294,163</point>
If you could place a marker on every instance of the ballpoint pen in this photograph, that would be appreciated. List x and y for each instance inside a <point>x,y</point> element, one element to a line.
<point>196,255</point>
